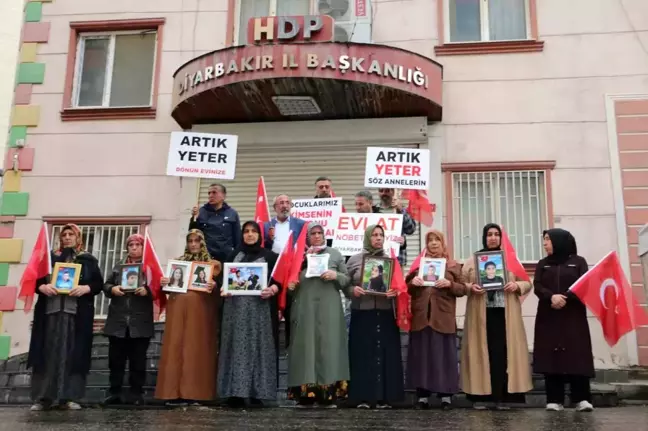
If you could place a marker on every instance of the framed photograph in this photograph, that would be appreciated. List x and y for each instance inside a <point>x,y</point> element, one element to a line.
<point>178,273</point>
<point>130,276</point>
<point>377,274</point>
<point>245,278</point>
<point>431,270</point>
<point>317,264</point>
<point>491,270</point>
<point>201,273</point>
<point>66,276</point>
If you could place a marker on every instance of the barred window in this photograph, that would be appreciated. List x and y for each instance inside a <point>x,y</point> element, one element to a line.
<point>514,199</point>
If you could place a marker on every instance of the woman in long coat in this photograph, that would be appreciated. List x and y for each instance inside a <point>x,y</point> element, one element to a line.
<point>318,360</point>
<point>432,360</point>
<point>494,353</point>
<point>249,332</point>
<point>562,348</point>
<point>374,337</point>
<point>61,343</point>
<point>189,360</point>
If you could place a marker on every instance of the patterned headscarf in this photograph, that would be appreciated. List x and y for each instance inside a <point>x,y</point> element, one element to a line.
<point>78,247</point>
<point>138,239</point>
<point>202,255</point>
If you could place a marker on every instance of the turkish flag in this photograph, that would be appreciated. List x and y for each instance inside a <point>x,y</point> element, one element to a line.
<point>39,266</point>
<point>298,257</point>
<point>417,262</point>
<point>282,269</point>
<point>261,212</point>
<point>154,272</point>
<point>605,290</point>
<point>333,196</point>
<point>403,315</point>
<point>419,207</point>
<point>512,262</point>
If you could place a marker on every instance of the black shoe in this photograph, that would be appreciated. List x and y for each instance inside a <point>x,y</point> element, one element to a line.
<point>137,400</point>
<point>113,400</point>
<point>422,406</point>
<point>235,403</point>
<point>255,402</point>
<point>446,406</point>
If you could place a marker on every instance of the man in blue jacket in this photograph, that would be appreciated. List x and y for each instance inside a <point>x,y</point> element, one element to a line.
<point>219,222</point>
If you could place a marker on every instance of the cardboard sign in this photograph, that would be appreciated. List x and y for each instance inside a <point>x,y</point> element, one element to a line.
<point>350,229</point>
<point>325,211</point>
<point>397,168</point>
<point>202,155</point>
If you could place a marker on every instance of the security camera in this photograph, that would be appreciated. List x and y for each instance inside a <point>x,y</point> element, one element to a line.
<point>20,143</point>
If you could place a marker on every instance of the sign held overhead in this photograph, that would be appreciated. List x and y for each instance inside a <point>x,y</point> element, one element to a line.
<point>202,155</point>
<point>404,168</point>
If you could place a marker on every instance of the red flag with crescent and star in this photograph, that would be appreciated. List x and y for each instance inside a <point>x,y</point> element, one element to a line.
<point>261,212</point>
<point>606,291</point>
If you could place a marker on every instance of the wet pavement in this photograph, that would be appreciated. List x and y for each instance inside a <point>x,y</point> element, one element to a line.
<point>608,419</point>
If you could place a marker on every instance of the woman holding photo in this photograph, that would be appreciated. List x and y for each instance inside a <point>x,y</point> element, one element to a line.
<point>61,342</point>
<point>432,356</point>
<point>189,359</point>
<point>318,363</point>
<point>248,364</point>
<point>495,367</point>
<point>374,338</point>
<point>176,279</point>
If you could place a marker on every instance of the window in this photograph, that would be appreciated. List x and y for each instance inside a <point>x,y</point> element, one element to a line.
<point>259,8</point>
<point>113,70</point>
<point>515,199</point>
<point>106,242</point>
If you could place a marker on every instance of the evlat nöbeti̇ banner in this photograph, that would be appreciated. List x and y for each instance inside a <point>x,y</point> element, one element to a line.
<point>324,211</point>
<point>397,168</point>
<point>350,229</point>
<point>202,155</point>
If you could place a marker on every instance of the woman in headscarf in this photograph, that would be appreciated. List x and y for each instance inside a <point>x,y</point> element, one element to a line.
<point>318,362</point>
<point>562,348</point>
<point>374,338</point>
<point>129,326</point>
<point>494,354</point>
<point>189,360</point>
<point>61,342</point>
<point>249,334</point>
<point>432,363</point>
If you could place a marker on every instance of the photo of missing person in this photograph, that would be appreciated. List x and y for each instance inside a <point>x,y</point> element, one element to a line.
<point>376,274</point>
<point>317,264</point>
<point>66,276</point>
<point>130,277</point>
<point>201,273</point>
<point>431,270</point>
<point>246,278</point>
<point>178,274</point>
<point>492,270</point>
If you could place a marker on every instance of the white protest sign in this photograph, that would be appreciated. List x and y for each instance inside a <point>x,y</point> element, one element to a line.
<point>350,229</point>
<point>202,155</point>
<point>324,211</point>
<point>397,168</point>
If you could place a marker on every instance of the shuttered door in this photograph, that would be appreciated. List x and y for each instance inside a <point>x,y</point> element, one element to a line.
<point>292,169</point>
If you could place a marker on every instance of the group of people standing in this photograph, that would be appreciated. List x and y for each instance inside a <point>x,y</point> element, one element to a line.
<point>226,347</point>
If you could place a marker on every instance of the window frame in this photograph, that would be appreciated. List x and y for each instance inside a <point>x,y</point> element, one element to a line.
<point>82,30</point>
<point>236,21</point>
<point>494,167</point>
<point>486,46</point>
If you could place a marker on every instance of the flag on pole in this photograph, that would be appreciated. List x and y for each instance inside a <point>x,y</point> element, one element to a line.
<point>154,272</point>
<point>606,291</point>
<point>298,257</point>
<point>282,269</point>
<point>261,211</point>
<point>39,266</point>
<point>512,262</point>
<point>403,315</point>
<point>419,207</point>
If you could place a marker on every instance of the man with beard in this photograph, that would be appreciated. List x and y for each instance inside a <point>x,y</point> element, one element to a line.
<point>391,205</point>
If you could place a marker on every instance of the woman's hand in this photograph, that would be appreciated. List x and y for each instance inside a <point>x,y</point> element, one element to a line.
<point>80,290</point>
<point>292,285</point>
<point>269,292</point>
<point>47,290</point>
<point>210,286</point>
<point>329,275</point>
<point>140,291</point>
<point>512,287</point>
<point>442,283</point>
<point>417,281</point>
<point>117,291</point>
<point>358,291</point>
<point>558,301</point>
<point>391,293</point>
<point>476,289</point>
<point>164,281</point>
<point>224,294</point>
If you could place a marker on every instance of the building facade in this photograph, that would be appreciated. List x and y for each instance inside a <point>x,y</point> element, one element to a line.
<point>535,114</point>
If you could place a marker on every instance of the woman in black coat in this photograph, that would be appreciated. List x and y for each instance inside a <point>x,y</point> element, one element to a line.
<point>562,346</point>
<point>61,343</point>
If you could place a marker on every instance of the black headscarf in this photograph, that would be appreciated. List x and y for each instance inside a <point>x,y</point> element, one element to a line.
<point>488,227</point>
<point>254,251</point>
<point>563,243</point>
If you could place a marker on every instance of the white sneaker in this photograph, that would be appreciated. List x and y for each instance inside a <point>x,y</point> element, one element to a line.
<point>584,406</point>
<point>71,405</point>
<point>480,406</point>
<point>553,407</point>
<point>38,407</point>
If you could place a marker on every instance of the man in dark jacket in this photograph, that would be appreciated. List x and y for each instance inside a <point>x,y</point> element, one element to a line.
<point>219,222</point>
